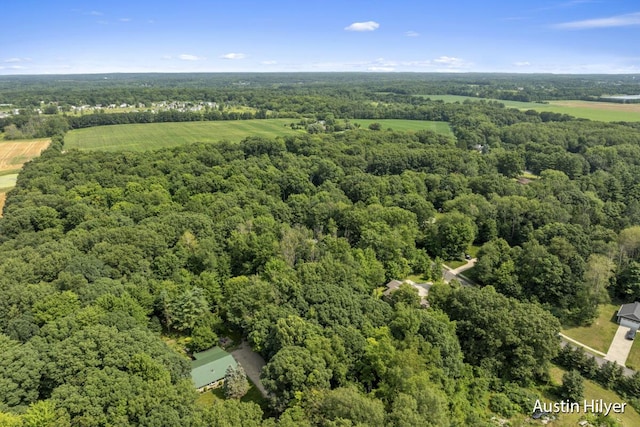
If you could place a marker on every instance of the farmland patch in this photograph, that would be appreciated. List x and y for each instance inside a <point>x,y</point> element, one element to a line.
<point>151,136</point>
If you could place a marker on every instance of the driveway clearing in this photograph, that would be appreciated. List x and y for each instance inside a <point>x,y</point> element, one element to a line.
<point>620,347</point>
<point>252,363</point>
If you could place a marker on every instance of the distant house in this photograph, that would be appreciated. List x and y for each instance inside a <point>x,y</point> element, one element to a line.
<point>422,288</point>
<point>629,315</point>
<point>209,368</point>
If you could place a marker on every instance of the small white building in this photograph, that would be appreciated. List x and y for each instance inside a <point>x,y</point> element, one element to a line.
<point>629,315</point>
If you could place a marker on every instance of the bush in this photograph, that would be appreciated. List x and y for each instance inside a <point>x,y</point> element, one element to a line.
<point>500,404</point>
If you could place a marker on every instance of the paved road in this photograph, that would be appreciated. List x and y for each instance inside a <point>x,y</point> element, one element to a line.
<point>449,274</point>
<point>470,263</point>
<point>252,363</point>
<point>599,360</point>
<point>620,347</point>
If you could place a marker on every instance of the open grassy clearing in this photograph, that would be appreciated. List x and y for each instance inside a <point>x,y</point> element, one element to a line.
<point>633,361</point>
<point>253,395</point>
<point>629,418</point>
<point>455,263</point>
<point>601,111</point>
<point>150,136</point>
<point>600,334</point>
<point>8,181</point>
<point>409,125</point>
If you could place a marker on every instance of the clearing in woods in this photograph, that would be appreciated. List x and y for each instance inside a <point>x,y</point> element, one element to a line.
<point>152,136</point>
<point>14,154</point>
<point>442,128</point>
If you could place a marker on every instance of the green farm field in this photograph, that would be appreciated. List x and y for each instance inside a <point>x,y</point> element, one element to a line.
<point>151,136</point>
<point>600,111</point>
<point>409,125</point>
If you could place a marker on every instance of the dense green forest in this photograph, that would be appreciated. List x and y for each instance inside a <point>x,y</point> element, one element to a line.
<point>133,88</point>
<point>287,242</point>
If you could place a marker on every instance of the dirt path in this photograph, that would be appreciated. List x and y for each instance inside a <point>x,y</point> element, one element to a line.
<point>252,363</point>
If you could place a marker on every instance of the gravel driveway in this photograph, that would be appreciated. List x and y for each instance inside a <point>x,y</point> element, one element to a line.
<point>252,363</point>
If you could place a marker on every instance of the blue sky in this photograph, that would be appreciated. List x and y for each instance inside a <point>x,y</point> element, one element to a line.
<point>563,36</point>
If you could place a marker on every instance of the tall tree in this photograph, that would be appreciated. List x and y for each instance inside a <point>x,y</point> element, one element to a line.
<point>236,384</point>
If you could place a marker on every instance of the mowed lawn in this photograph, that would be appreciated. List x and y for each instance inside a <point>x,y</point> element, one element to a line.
<point>600,111</point>
<point>442,128</point>
<point>629,418</point>
<point>600,334</point>
<point>150,136</point>
<point>633,361</point>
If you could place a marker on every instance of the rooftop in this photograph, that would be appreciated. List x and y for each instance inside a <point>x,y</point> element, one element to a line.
<point>210,366</point>
<point>630,311</point>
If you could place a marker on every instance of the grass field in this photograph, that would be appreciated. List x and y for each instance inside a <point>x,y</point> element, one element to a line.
<point>409,125</point>
<point>253,395</point>
<point>8,181</point>
<point>601,111</point>
<point>633,361</point>
<point>629,418</point>
<point>149,136</point>
<point>600,334</point>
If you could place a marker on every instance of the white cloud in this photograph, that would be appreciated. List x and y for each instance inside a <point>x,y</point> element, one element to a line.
<point>363,26</point>
<point>411,34</point>
<point>94,13</point>
<point>269,62</point>
<point>449,60</point>
<point>14,60</point>
<point>124,19</point>
<point>233,55</point>
<point>612,21</point>
<point>565,5</point>
<point>380,69</point>
<point>442,64</point>
<point>522,63</point>
<point>425,63</point>
<point>187,57</point>
<point>381,62</point>
<point>166,57</point>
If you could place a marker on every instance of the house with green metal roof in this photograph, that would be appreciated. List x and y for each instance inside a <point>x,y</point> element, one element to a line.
<point>209,368</point>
